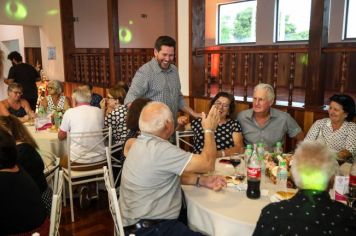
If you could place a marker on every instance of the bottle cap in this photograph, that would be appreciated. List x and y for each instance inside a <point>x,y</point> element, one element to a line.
<point>260,145</point>
<point>279,144</point>
<point>282,163</point>
<point>249,146</point>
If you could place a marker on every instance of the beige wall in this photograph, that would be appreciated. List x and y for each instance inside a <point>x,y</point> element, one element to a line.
<point>183,45</point>
<point>91,27</point>
<point>31,36</point>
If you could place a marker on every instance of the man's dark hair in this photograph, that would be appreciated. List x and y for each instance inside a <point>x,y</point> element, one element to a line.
<point>15,55</point>
<point>164,41</point>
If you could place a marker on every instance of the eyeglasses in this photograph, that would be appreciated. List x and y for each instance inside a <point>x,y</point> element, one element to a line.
<point>224,106</point>
<point>51,88</point>
<point>111,98</point>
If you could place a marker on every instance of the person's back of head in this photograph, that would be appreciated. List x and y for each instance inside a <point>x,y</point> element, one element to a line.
<point>313,166</point>
<point>8,151</point>
<point>18,131</point>
<point>81,95</point>
<point>134,112</point>
<point>15,56</point>
<point>154,118</point>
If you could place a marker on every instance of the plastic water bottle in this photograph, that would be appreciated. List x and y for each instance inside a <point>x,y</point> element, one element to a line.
<point>253,177</point>
<point>260,150</point>
<point>248,152</point>
<point>282,176</point>
<point>278,149</point>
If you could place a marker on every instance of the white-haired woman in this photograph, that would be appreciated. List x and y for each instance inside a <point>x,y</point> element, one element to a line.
<point>55,99</point>
<point>310,211</point>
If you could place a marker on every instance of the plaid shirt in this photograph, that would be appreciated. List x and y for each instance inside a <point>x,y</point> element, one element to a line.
<point>151,81</point>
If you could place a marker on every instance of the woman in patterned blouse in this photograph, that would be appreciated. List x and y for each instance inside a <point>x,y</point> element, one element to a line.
<point>338,131</point>
<point>228,134</point>
<point>115,113</point>
<point>55,101</point>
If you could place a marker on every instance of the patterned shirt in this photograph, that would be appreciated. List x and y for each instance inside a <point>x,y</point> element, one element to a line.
<point>50,105</point>
<point>272,132</point>
<point>343,138</point>
<point>151,81</point>
<point>309,212</point>
<point>117,120</point>
<point>223,134</point>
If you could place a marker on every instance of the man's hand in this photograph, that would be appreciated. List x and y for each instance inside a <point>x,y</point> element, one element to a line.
<point>212,120</point>
<point>214,182</point>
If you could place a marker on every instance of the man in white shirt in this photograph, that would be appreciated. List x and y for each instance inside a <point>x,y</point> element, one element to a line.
<point>83,118</point>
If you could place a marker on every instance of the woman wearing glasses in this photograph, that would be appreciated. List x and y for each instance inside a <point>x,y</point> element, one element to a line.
<point>15,105</point>
<point>337,131</point>
<point>55,99</point>
<point>228,134</point>
<point>115,113</point>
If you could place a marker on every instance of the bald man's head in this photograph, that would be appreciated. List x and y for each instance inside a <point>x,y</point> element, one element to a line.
<point>155,117</point>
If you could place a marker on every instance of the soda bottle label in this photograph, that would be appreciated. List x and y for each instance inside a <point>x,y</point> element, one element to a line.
<point>254,173</point>
<point>352,180</point>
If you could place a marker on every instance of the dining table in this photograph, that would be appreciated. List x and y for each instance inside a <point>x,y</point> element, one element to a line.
<point>47,140</point>
<point>229,212</point>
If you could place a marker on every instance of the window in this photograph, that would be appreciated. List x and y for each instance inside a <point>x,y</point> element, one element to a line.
<point>292,20</point>
<point>350,20</point>
<point>237,22</point>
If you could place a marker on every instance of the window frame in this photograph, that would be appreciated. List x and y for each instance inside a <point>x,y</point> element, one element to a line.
<point>346,14</point>
<point>218,24</point>
<point>276,20</point>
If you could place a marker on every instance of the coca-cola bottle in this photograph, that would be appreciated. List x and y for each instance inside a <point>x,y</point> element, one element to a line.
<point>253,177</point>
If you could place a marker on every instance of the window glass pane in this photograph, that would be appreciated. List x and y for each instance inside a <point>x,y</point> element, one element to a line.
<point>237,22</point>
<point>293,20</point>
<point>351,20</point>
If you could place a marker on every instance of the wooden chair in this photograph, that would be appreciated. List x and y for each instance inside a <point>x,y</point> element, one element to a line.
<point>113,204</point>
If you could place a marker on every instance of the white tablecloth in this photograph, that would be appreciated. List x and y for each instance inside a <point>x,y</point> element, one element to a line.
<point>48,141</point>
<point>224,213</point>
<point>228,212</point>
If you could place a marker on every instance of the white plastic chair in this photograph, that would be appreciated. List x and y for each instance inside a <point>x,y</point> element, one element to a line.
<point>181,137</point>
<point>114,163</point>
<point>113,204</point>
<point>76,177</point>
<point>51,166</point>
<point>56,209</point>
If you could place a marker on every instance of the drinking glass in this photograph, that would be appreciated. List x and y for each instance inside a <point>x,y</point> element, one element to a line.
<point>237,161</point>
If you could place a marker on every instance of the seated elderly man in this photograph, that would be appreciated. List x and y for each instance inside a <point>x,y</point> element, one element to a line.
<point>150,192</point>
<point>310,211</point>
<point>83,118</point>
<point>265,124</point>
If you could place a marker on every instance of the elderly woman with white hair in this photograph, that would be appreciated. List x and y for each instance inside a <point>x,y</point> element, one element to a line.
<point>55,99</point>
<point>311,211</point>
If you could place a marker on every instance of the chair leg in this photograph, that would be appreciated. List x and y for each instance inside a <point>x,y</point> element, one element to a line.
<point>64,194</point>
<point>71,200</point>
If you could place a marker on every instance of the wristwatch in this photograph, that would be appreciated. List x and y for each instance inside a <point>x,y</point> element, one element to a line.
<point>197,184</point>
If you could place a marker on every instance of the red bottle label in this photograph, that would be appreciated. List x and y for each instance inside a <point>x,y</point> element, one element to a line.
<point>254,173</point>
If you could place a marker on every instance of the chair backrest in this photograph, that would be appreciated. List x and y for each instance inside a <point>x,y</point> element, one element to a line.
<point>56,209</point>
<point>113,204</point>
<point>183,136</point>
<point>114,163</point>
<point>88,145</point>
<point>51,166</point>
